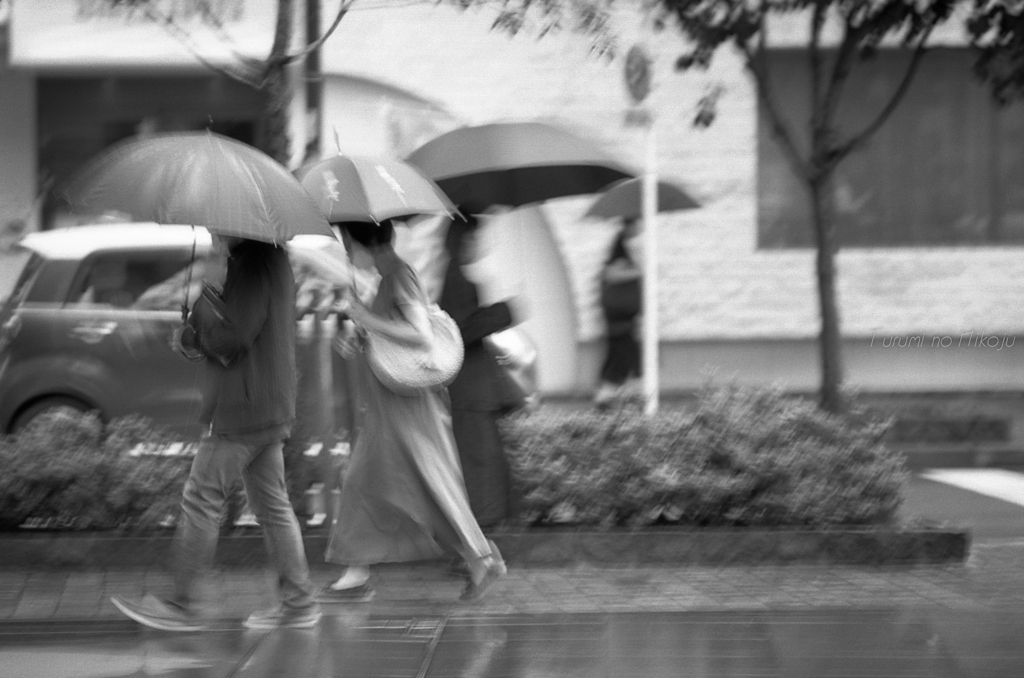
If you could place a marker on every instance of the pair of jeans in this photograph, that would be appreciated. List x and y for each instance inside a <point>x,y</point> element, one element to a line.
<point>218,464</point>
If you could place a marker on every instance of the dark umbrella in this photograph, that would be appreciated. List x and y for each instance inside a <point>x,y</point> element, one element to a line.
<point>516,164</point>
<point>360,188</point>
<point>199,179</point>
<point>622,200</point>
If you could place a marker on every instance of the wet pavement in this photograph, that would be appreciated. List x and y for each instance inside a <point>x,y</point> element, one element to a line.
<point>964,619</point>
<point>813,643</point>
<point>814,621</point>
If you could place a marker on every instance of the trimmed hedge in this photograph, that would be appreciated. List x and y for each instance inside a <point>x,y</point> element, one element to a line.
<point>67,469</point>
<point>735,457</point>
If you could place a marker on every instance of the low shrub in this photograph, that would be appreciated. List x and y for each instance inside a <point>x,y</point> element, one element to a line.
<point>734,457</point>
<point>737,456</point>
<point>68,469</point>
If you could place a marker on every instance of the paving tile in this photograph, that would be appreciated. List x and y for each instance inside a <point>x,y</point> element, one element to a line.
<point>992,582</point>
<point>37,604</point>
<point>9,602</point>
<point>12,580</point>
<point>82,595</point>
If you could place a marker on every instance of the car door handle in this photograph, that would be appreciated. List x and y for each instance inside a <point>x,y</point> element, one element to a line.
<point>93,334</point>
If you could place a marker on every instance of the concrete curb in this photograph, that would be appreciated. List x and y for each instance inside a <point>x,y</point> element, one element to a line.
<point>541,547</point>
<point>921,457</point>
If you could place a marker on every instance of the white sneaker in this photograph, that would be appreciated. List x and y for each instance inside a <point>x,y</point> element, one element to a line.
<point>282,618</point>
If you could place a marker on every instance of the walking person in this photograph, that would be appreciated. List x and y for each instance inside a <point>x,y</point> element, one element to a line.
<point>620,304</point>
<point>480,393</point>
<point>247,337</point>
<point>403,497</point>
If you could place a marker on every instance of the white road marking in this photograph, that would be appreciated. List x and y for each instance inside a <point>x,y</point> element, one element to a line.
<point>991,482</point>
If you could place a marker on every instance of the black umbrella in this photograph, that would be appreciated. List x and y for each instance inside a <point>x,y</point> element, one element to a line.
<point>623,200</point>
<point>516,163</point>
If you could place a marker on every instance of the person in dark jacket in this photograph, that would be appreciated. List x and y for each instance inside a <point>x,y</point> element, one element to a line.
<point>621,291</point>
<point>247,337</point>
<point>479,395</point>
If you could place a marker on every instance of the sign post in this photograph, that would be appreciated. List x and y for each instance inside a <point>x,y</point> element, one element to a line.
<point>638,82</point>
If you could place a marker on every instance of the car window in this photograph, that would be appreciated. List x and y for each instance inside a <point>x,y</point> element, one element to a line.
<point>125,279</point>
<point>155,281</point>
<point>169,294</point>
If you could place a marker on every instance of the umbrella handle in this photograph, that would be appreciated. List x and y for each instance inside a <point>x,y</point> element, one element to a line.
<point>188,281</point>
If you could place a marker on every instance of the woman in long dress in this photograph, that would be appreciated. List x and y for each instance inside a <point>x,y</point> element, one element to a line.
<point>403,498</point>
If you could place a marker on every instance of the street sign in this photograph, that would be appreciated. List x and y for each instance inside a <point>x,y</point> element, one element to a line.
<point>638,73</point>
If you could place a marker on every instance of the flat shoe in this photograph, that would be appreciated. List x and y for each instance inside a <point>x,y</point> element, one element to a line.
<point>158,614</point>
<point>499,562</point>
<point>478,590</point>
<point>356,594</point>
<point>282,618</point>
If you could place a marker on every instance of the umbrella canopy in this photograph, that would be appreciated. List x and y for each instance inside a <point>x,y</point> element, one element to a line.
<point>201,179</point>
<point>516,164</point>
<point>356,188</point>
<point>623,200</point>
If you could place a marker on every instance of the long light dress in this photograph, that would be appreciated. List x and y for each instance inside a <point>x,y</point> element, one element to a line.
<point>403,497</point>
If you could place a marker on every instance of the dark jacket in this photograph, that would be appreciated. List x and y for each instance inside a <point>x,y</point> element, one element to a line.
<point>621,300</point>
<point>479,385</point>
<point>248,337</point>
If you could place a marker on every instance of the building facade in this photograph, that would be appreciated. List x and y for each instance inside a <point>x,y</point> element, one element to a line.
<point>931,272</point>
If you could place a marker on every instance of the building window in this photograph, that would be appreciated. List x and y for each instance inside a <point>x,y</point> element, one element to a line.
<point>79,116</point>
<point>946,169</point>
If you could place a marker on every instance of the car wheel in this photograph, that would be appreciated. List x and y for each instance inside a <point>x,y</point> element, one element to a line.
<point>47,405</point>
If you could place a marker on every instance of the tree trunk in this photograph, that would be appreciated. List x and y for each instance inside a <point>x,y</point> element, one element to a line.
<point>275,141</point>
<point>829,343</point>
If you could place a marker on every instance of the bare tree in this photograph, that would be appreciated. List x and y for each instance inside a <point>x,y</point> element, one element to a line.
<point>268,75</point>
<point>707,25</point>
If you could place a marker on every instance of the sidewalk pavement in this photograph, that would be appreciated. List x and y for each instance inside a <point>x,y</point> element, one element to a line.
<point>991,580</point>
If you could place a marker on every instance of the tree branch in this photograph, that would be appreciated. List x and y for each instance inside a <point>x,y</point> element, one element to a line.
<point>858,140</point>
<point>316,44</point>
<point>779,128</point>
<point>814,52</point>
<point>242,71</point>
<point>840,69</point>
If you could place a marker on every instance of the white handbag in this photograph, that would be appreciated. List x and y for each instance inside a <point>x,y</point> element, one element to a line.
<point>409,370</point>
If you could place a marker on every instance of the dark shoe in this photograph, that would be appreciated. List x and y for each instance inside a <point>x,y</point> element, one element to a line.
<point>494,572</point>
<point>283,618</point>
<point>356,594</point>
<point>158,614</point>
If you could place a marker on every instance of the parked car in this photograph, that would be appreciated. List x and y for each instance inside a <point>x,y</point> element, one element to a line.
<point>88,322</point>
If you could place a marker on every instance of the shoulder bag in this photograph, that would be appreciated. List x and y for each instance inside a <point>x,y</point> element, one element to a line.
<point>409,370</point>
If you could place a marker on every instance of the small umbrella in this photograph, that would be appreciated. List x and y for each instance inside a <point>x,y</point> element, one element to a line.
<point>623,200</point>
<point>515,164</point>
<point>356,188</point>
<point>200,179</point>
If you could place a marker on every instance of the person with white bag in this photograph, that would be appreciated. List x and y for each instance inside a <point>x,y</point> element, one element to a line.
<point>403,497</point>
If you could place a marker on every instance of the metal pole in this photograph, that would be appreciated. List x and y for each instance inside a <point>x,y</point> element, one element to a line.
<point>649,211</point>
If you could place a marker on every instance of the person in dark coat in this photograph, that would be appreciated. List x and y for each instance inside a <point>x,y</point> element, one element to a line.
<point>620,304</point>
<point>479,394</point>
<point>246,336</point>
